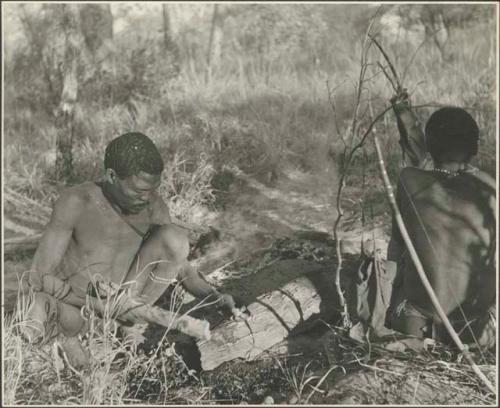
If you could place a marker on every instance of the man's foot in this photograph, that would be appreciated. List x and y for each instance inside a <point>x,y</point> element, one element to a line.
<point>410,343</point>
<point>78,357</point>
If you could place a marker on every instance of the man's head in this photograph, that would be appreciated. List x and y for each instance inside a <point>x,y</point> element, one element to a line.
<point>133,170</point>
<point>451,134</point>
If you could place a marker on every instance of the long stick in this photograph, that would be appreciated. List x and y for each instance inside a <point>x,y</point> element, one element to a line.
<point>420,269</point>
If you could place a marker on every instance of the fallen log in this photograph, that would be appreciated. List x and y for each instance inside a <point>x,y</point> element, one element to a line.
<point>272,317</point>
<point>283,299</point>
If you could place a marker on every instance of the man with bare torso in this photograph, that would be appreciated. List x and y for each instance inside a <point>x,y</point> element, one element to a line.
<point>449,211</point>
<point>119,231</point>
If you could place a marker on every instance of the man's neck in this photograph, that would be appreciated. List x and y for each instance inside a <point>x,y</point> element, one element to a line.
<point>108,192</point>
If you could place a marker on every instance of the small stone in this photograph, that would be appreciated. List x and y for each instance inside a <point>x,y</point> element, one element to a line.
<point>268,400</point>
<point>293,400</point>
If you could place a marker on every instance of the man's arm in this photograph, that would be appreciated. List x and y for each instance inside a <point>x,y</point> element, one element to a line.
<point>200,288</point>
<point>190,278</point>
<point>412,139</point>
<point>53,245</point>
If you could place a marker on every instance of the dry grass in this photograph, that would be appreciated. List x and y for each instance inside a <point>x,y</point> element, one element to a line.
<point>118,373</point>
<point>377,375</point>
<point>257,121</point>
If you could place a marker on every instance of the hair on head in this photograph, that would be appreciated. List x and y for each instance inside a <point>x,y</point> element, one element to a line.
<point>451,133</point>
<point>132,153</point>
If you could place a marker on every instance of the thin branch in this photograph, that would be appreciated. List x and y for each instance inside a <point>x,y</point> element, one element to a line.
<point>348,156</point>
<point>391,66</point>
<point>334,110</point>
<point>387,76</point>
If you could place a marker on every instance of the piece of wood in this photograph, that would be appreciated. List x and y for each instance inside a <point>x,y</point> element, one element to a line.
<point>273,316</point>
<point>191,326</point>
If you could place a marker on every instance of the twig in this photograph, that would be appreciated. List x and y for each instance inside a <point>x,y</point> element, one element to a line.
<point>391,66</point>
<point>387,76</point>
<point>316,387</point>
<point>353,130</point>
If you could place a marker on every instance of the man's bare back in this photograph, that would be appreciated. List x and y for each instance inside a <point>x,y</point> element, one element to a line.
<point>449,212</point>
<point>451,221</point>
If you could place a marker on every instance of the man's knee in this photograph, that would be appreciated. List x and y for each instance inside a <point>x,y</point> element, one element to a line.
<point>175,241</point>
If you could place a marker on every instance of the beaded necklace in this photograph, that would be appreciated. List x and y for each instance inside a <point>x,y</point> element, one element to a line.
<point>470,169</point>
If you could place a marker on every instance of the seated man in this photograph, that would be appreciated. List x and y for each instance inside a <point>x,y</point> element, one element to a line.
<point>449,212</point>
<point>119,229</point>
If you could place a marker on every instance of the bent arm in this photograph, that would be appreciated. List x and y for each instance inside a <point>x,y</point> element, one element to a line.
<point>412,139</point>
<point>194,283</point>
<point>53,245</point>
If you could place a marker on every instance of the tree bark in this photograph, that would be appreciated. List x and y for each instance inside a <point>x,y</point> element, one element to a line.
<point>214,51</point>
<point>65,112</point>
<point>167,37</point>
<point>170,45</point>
<point>96,25</point>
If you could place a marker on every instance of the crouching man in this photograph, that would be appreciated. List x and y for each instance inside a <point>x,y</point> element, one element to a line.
<point>120,230</point>
<point>449,211</point>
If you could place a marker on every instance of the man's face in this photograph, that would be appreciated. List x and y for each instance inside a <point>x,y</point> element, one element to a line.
<point>132,194</point>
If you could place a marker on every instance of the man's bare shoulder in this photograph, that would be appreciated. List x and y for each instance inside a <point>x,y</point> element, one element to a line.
<point>73,200</point>
<point>413,178</point>
<point>486,179</point>
<point>160,213</point>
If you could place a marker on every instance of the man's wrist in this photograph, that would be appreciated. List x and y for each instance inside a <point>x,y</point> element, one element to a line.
<point>401,106</point>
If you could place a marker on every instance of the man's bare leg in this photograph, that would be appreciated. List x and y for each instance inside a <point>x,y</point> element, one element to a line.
<point>158,262</point>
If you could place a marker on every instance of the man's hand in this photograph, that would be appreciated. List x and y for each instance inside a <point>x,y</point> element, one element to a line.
<point>54,286</point>
<point>227,301</point>
<point>401,100</point>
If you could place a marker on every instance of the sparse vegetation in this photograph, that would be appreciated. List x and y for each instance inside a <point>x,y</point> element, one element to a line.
<point>264,110</point>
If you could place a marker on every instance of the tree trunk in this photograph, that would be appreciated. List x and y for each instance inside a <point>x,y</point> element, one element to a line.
<point>214,51</point>
<point>170,45</point>
<point>65,111</point>
<point>96,24</point>
<point>167,37</point>
<point>272,318</point>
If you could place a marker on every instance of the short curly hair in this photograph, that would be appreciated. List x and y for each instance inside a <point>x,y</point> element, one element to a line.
<point>451,132</point>
<point>132,153</point>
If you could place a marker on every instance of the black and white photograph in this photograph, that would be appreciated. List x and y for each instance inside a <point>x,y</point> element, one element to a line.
<point>249,203</point>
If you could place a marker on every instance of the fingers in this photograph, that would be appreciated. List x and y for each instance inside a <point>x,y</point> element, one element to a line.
<point>401,97</point>
<point>228,301</point>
